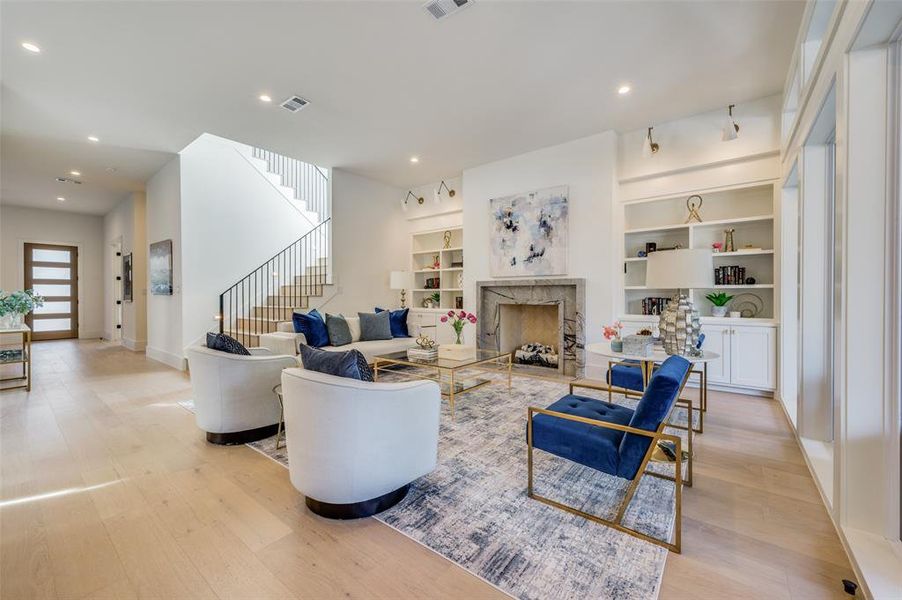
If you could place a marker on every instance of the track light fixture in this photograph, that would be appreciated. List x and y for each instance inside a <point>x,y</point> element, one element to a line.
<point>649,147</point>
<point>419,200</point>
<point>437,192</point>
<point>730,128</point>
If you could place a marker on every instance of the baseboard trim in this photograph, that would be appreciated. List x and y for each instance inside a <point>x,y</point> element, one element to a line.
<point>134,345</point>
<point>90,335</point>
<point>167,358</point>
<point>234,438</point>
<point>357,510</point>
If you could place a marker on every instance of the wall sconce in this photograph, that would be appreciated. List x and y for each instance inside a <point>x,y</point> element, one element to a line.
<point>419,200</point>
<point>437,192</point>
<point>649,147</point>
<point>730,128</point>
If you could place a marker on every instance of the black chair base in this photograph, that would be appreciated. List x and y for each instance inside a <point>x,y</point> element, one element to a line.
<point>357,510</point>
<point>242,437</point>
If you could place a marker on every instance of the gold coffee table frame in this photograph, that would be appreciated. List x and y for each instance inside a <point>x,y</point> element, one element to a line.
<point>444,366</point>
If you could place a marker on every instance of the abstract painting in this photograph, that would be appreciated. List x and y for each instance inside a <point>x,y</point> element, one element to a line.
<point>530,234</point>
<point>161,268</point>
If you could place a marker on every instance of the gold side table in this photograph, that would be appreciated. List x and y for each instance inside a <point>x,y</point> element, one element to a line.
<point>17,354</point>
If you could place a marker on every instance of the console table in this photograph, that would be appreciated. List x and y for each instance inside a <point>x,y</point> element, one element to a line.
<point>12,354</point>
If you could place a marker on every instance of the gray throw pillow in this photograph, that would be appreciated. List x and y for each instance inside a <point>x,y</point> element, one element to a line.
<point>374,326</point>
<point>339,332</point>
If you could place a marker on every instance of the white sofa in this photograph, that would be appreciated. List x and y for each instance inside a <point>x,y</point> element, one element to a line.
<point>285,341</point>
<point>355,446</point>
<point>233,398</point>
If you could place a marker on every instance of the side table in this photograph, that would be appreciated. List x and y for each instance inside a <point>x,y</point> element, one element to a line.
<point>17,354</point>
<point>277,390</point>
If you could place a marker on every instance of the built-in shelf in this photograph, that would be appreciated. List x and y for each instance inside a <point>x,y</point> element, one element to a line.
<point>427,248</point>
<point>748,210</point>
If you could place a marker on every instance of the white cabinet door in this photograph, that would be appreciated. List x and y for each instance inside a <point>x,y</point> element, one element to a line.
<point>717,339</point>
<point>421,322</point>
<point>753,356</point>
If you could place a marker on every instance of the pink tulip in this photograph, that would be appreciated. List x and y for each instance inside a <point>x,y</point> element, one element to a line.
<point>444,319</point>
<point>462,315</point>
<point>450,313</point>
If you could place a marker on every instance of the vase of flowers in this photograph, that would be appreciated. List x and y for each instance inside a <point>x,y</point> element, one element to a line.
<point>612,333</point>
<point>458,321</point>
<point>14,307</point>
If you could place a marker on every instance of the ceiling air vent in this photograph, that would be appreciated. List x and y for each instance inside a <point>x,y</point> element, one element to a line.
<point>294,103</point>
<point>442,8</point>
<point>68,180</point>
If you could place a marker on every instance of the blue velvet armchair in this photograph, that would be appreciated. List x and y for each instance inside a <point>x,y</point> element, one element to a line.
<point>613,439</point>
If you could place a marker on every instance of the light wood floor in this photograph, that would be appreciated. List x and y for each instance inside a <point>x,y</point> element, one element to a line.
<point>110,491</point>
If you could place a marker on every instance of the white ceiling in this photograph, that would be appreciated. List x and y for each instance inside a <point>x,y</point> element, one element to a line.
<point>385,81</point>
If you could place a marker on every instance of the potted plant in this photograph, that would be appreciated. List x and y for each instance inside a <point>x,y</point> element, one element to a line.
<point>14,307</point>
<point>612,332</point>
<point>720,301</point>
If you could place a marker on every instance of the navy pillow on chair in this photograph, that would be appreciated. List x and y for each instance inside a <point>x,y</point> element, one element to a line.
<point>349,364</point>
<point>398,321</point>
<point>225,343</point>
<point>313,326</point>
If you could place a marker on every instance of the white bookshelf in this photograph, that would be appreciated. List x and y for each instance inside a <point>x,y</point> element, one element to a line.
<point>431,260</point>
<point>749,210</point>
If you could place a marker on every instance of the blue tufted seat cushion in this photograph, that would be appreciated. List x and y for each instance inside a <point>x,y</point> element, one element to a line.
<point>628,377</point>
<point>588,445</point>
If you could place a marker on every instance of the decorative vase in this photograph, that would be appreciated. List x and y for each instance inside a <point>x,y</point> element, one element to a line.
<point>459,341</point>
<point>12,321</point>
<point>617,345</point>
<point>719,311</point>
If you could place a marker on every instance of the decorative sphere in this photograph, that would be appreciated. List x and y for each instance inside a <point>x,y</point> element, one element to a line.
<point>750,281</point>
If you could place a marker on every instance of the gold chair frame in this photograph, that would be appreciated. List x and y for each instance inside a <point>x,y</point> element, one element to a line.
<point>646,375</point>
<point>657,436</point>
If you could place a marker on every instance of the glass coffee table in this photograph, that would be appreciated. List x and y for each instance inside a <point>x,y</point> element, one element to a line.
<point>446,372</point>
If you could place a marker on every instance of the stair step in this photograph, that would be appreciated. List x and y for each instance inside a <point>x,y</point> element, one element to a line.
<point>312,280</point>
<point>301,291</point>
<point>257,324</point>
<point>278,312</point>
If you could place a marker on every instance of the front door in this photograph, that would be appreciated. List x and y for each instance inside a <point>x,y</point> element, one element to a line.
<point>52,272</point>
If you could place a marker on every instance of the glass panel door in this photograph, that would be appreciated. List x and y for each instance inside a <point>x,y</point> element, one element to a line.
<point>52,272</point>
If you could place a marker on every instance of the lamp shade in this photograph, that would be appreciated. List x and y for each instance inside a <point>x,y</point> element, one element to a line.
<point>679,269</point>
<point>399,280</point>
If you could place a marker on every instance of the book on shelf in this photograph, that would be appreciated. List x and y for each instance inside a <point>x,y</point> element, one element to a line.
<point>654,306</point>
<point>729,275</point>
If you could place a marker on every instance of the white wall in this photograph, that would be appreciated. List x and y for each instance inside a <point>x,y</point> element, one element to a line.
<point>164,313</point>
<point>233,220</point>
<point>369,239</point>
<point>697,140</point>
<point>19,225</point>
<point>126,225</point>
<point>587,166</point>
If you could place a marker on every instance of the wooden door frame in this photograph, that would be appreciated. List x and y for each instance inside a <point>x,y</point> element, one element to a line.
<point>72,298</point>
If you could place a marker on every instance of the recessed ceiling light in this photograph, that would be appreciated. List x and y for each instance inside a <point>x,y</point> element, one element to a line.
<point>31,47</point>
<point>624,89</point>
<point>265,98</point>
<point>93,138</point>
<point>75,173</point>
<point>60,198</point>
<point>414,159</point>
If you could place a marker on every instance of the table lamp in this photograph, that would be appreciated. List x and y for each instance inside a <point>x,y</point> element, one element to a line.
<point>398,280</point>
<point>680,270</point>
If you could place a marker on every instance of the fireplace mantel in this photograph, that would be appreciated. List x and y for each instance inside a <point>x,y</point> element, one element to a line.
<point>569,293</point>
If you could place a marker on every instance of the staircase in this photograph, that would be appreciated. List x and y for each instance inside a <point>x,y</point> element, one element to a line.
<point>304,184</point>
<point>273,291</point>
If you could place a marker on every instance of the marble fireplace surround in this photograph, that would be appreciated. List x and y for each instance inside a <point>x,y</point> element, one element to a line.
<point>570,294</point>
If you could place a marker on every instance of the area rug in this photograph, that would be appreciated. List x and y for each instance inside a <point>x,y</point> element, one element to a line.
<point>473,508</point>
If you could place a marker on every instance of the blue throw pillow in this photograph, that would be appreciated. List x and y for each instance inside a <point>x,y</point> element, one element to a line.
<point>350,364</point>
<point>225,343</point>
<point>398,321</point>
<point>313,326</point>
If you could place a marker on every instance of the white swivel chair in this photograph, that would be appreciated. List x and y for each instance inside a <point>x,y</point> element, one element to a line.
<point>233,398</point>
<point>354,447</point>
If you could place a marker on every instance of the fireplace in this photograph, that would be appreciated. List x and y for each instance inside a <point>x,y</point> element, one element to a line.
<point>549,312</point>
<point>533,333</point>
